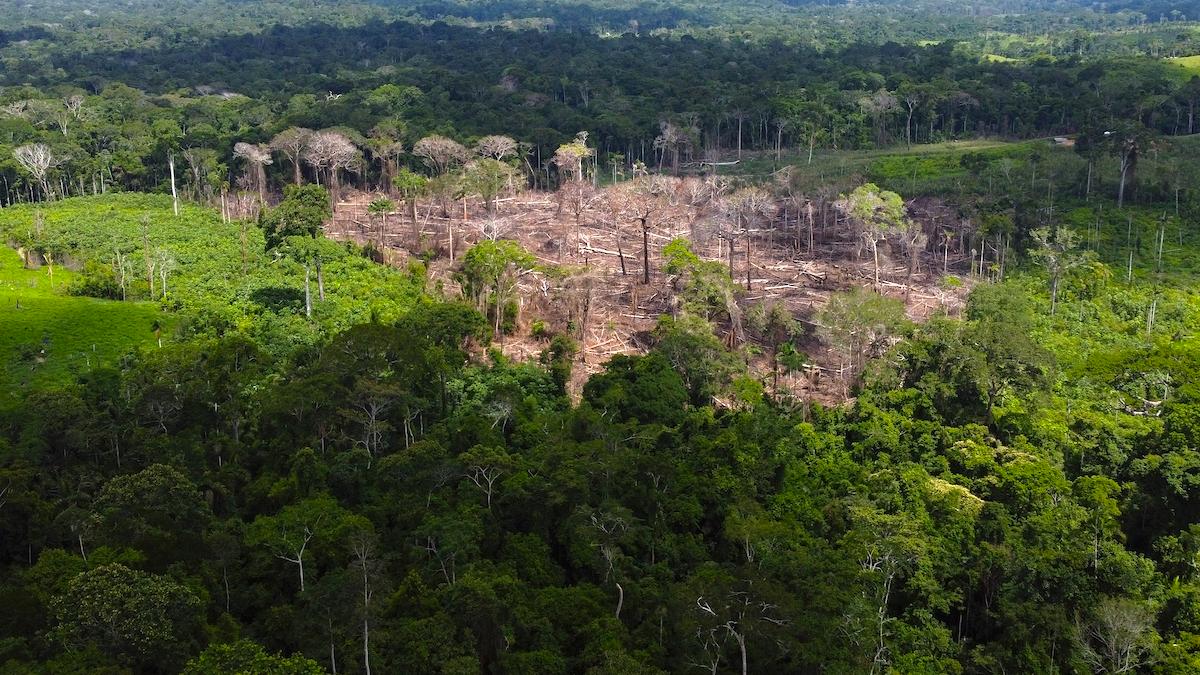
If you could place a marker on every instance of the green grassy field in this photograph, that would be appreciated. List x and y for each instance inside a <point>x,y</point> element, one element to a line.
<point>47,335</point>
<point>211,291</point>
<point>1192,63</point>
<point>906,169</point>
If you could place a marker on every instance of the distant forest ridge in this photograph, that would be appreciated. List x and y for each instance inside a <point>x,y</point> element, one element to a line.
<point>904,18</point>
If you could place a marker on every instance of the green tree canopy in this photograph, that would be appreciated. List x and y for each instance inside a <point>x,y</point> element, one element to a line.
<point>145,621</point>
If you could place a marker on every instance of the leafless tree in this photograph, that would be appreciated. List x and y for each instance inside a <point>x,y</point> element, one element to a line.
<point>641,201</point>
<point>494,229</point>
<point>914,241</point>
<point>367,565</point>
<point>496,147</point>
<point>674,139</point>
<point>796,204</point>
<point>291,143</point>
<point>17,109</point>
<point>368,410</point>
<point>293,545</point>
<point>878,107</point>
<point>1117,638</point>
<point>256,157</point>
<point>1128,150</point>
<point>41,113</point>
<point>148,254</point>
<point>441,154</point>
<point>345,157</point>
<point>575,196</point>
<point>890,552</point>
<point>736,613</point>
<point>694,191</point>
<point>200,161</point>
<point>749,206</point>
<point>612,202</point>
<point>712,641</point>
<point>964,102</point>
<point>484,474</point>
<point>74,105</point>
<point>165,265</point>
<point>72,111</point>
<point>912,98</point>
<point>331,152</point>
<point>782,125</point>
<point>38,159</point>
<point>608,529</point>
<point>1055,250</point>
<point>174,189</point>
<point>701,194</point>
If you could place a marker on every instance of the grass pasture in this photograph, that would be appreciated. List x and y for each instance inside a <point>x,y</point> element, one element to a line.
<point>46,336</point>
<point>922,169</point>
<point>212,290</point>
<point>1191,63</point>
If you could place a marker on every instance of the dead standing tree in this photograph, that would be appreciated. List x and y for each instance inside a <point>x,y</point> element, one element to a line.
<point>256,157</point>
<point>796,204</point>
<point>38,160</point>
<point>330,153</point>
<point>701,194</point>
<point>578,293</point>
<point>575,196</point>
<point>643,201</point>
<point>749,206</point>
<point>671,139</point>
<point>914,240</point>
<point>440,154</point>
<point>1118,637</point>
<point>880,106</point>
<point>203,171</point>
<point>496,147</point>
<point>72,111</point>
<point>291,143</point>
<point>612,205</point>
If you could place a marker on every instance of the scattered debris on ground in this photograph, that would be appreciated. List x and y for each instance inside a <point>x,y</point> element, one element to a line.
<point>800,253</point>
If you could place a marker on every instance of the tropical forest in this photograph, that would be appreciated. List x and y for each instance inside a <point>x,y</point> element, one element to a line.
<point>599,337</point>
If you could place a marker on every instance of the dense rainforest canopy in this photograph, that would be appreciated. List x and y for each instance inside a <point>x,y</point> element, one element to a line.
<point>115,113</point>
<point>599,337</point>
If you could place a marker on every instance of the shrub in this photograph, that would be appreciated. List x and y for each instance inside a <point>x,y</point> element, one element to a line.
<point>96,281</point>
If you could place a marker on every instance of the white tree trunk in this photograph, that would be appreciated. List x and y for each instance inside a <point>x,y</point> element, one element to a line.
<point>307,313</point>
<point>174,192</point>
